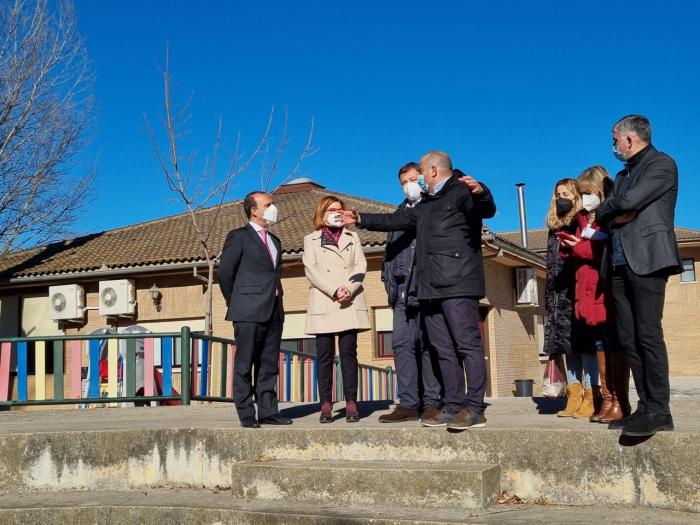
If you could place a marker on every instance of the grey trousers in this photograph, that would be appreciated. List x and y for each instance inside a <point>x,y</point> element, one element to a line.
<point>416,368</point>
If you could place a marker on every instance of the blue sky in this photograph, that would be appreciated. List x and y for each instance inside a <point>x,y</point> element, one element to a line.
<point>513,91</point>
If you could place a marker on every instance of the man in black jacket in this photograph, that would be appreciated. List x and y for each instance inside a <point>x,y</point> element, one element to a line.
<point>418,385</point>
<point>644,252</point>
<point>450,278</point>
<point>249,276</point>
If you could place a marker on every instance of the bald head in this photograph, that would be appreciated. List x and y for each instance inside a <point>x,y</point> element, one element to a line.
<point>435,166</point>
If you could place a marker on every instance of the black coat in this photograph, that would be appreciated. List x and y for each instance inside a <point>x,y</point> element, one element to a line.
<point>448,227</point>
<point>648,240</point>
<point>558,297</point>
<point>247,278</point>
<point>398,266</point>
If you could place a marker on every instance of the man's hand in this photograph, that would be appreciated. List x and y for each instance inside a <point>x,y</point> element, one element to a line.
<point>624,218</point>
<point>474,186</point>
<point>350,217</point>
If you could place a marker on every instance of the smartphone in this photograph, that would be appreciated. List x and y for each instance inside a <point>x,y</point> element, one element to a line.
<point>564,235</point>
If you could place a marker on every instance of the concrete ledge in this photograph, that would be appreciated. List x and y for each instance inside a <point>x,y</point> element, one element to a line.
<point>187,507</point>
<point>367,484</point>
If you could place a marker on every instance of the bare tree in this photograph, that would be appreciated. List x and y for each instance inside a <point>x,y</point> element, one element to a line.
<point>45,108</point>
<point>206,189</point>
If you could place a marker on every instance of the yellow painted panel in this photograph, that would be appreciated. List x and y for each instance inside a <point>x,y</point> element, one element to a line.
<point>112,367</point>
<point>40,369</point>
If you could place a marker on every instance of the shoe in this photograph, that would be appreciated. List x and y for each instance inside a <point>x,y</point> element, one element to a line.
<point>620,423</point>
<point>585,411</point>
<point>326,412</point>
<point>250,422</point>
<point>574,400</point>
<point>351,413</point>
<point>429,412</point>
<point>606,386</point>
<point>399,414</point>
<point>275,419</point>
<point>441,419</point>
<point>467,419</point>
<point>649,425</point>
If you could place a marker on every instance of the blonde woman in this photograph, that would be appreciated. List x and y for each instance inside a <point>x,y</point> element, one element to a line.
<point>593,308</point>
<point>335,266</point>
<point>559,289</point>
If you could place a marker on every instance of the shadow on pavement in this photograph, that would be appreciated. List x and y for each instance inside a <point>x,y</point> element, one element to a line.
<point>549,405</point>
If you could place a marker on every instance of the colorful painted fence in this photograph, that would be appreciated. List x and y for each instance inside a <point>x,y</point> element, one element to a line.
<point>90,370</point>
<point>297,381</point>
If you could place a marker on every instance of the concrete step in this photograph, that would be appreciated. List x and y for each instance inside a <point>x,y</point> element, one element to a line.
<point>453,485</point>
<point>188,507</point>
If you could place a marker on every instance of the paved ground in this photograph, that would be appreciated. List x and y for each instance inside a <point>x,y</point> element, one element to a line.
<point>531,413</point>
<point>55,507</point>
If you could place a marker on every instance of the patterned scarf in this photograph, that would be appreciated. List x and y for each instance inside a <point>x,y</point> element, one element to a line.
<point>330,235</point>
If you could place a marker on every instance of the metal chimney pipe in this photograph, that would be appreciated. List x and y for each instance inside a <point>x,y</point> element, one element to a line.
<point>523,217</point>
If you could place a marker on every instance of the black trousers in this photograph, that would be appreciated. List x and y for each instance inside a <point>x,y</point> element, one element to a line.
<point>453,330</point>
<point>256,365</point>
<point>640,304</point>
<point>325,348</point>
<point>417,369</point>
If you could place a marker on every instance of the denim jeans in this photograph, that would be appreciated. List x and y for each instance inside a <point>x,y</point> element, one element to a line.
<point>582,368</point>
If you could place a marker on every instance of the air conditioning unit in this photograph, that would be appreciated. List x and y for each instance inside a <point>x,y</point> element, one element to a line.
<point>117,297</point>
<point>66,302</point>
<point>526,292</point>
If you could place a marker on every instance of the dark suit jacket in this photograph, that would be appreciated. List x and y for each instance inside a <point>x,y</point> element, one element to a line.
<point>649,240</point>
<point>247,277</point>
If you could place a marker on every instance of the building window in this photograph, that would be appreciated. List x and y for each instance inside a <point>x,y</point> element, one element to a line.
<point>305,344</point>
<point>688,275</point>
<point>384,344</point>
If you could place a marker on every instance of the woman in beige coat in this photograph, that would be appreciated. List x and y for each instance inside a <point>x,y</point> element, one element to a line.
<point>335,266</point>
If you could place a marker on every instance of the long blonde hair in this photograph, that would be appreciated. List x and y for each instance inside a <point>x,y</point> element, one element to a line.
<point>595,179</point>
<point>553,220</point>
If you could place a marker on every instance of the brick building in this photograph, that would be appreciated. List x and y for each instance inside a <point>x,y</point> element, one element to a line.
<point>681,320</point>
<point>164,254</point>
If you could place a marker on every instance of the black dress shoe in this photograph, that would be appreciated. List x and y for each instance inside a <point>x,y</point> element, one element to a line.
<point>275,419</point>
<point>620,423</point>
<point>250,422</point>
<point>649,425</point>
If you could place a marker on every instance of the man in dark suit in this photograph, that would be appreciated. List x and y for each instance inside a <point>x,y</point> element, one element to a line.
<point>644,252</point>
<point>250,280</point>
<point>450,278</point>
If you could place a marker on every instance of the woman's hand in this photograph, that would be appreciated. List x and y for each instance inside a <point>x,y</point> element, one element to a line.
<point>570,243</point>
<point>343,295</point>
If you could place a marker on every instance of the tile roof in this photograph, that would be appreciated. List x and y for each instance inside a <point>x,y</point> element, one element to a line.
<point>174,240</point>
<point>537,238</point>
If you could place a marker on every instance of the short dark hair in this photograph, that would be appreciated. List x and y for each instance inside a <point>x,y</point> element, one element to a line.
<point>408,167</point>
<point>637,124</point>
<point>249,202</point>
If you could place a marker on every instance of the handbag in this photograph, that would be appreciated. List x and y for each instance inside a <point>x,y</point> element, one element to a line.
<point>554,380</point>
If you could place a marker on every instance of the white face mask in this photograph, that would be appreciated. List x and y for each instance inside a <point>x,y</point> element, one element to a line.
<point>412,191</point>
<point>590,202</point>
<point>270,214</point>
<point>334,219</point>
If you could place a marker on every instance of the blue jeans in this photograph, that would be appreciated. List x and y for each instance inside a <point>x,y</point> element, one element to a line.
<point>582,368</point>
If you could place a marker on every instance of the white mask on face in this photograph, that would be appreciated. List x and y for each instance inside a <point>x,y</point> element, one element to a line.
<point>590,202</point>
<point>334,219</point>
<point>412,191</point>
<point>270,214</point>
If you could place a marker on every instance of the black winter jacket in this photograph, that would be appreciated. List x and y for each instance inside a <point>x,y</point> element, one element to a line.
<point>448,226</point>
<point>558,297</point>
<point>398,266</point>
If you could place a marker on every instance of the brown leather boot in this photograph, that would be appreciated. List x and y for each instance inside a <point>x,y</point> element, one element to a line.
<point>587,408</point>
<point>574,400</point>
<point>399,414</point>
<point>621,380</point>
<point>606,383</point>
<point>326,412</point>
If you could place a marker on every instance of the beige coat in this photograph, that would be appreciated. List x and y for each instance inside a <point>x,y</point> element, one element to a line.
<point>328,268</point>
